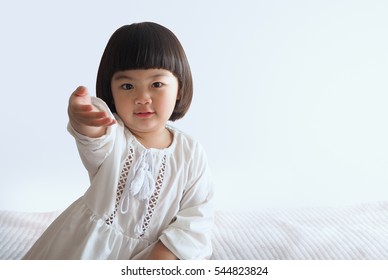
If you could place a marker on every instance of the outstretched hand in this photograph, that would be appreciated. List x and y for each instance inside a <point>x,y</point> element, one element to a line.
<point>85,117</point>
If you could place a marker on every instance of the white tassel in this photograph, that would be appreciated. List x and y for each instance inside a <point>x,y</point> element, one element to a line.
<point>143,182</point>
<point>146,184</point>
<point>140,182</point>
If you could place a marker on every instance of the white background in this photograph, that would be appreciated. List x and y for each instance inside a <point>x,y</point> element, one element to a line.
<point>290,96</point>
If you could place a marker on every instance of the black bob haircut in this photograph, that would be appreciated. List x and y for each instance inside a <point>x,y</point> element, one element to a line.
<point>145,45</point>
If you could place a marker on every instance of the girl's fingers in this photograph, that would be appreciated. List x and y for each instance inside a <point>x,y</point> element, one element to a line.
<point>83,112</point>
<point>81,91</point>
<point>92,115</point>
<point>101,122</point>
<point>80,97</point>
<point>94,118</point>
<point>82,108</point>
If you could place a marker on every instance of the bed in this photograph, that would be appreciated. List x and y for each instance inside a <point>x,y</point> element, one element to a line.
<point>356,232</point>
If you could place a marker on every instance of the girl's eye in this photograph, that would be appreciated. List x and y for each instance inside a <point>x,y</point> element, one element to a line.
<point>157,84</point>
<point>127,86</point>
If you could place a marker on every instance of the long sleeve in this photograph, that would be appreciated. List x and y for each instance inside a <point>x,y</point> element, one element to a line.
<point>189,235</point>
<point>93,151</point>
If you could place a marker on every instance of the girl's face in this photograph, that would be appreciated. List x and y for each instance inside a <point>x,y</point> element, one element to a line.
<point>145,99</point>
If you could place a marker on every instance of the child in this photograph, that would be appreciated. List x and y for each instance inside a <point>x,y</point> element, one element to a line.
<point>150,195</point>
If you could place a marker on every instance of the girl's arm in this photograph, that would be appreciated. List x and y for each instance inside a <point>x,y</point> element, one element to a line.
<point>188,236</point>
<point>160,252</point>
<point>85,118</point>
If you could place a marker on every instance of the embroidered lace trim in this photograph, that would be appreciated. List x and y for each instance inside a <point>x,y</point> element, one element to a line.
<point>121,184</point>
<point>155,197</point>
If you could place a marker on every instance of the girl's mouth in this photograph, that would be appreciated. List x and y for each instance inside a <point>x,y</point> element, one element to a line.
<point>144,115</point>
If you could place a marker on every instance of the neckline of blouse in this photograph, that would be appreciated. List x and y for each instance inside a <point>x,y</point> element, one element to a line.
<point>163,151</point>
<point>132,138</point>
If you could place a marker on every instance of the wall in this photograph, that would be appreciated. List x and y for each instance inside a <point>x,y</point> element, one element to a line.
<point>290,96</point>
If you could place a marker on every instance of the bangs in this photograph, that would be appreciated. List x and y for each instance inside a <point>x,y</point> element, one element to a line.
<point>143,46</point>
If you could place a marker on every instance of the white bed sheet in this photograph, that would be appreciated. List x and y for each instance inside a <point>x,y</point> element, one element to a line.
<point>357,232</point>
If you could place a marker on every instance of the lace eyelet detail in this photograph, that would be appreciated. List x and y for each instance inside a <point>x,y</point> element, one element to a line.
<point>153,201</point>
<point>121,184</point>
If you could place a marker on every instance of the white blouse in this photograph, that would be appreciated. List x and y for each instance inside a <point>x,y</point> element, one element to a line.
<point>136,197</point>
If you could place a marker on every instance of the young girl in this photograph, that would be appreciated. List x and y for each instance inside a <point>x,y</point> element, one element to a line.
<point>150,195</point>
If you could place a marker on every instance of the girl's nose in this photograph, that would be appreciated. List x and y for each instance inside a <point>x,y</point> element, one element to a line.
<point>143,98</point>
